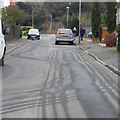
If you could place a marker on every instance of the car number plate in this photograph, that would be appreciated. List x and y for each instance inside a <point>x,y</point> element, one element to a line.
<point>33,36</point>
<point>64,36</point>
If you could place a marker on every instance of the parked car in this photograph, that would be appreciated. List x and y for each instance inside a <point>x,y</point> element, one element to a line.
<point>33,33</point>
<point>64,35</point>
<point>90,35</point>
<point>2,42</point>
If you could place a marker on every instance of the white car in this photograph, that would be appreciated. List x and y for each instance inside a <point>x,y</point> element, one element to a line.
<point>2,43</point>
<point>33,33</point>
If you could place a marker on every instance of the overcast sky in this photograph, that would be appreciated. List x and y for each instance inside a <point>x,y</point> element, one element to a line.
<point>7,2</point>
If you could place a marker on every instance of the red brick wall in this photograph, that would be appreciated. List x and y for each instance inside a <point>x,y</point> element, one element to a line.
<point>104,31</point>
<point>12,2</point>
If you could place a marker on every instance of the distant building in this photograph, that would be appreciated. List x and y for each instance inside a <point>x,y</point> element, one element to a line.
<point>118,13</point>
<point>12,2</point>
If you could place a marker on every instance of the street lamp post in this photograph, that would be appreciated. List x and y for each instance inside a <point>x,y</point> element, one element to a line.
<point>51,23</point>
<point>67,15</point>
<point>33,16</point>
<point>79,18</point>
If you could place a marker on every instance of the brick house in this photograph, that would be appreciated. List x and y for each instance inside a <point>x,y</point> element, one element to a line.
<point>12,2</point>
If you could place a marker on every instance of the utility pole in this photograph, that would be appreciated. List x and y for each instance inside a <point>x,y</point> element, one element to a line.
<point>67,16</point>
<point>33,16</point>
<point>79,18</point>
<point>51,23</point>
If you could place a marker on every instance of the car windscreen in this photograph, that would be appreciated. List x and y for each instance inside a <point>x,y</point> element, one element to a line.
<point>65,32</point>
<point>34,31</point>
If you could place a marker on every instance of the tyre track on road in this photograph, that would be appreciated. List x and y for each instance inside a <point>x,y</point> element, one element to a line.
<point>103,85</point>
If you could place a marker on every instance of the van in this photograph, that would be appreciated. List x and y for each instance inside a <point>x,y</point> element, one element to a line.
<point>2,42</point>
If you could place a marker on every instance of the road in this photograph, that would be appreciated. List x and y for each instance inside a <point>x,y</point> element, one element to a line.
<point>43,80</point>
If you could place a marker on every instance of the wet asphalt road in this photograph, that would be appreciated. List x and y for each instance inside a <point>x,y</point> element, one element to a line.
<point>43,80</point>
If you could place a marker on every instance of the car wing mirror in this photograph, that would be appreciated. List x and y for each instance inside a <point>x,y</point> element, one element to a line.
<point>6,31</point>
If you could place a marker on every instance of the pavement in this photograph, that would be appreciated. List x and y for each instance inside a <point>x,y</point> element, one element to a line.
<point>107,56</point>
<point>15,44</point>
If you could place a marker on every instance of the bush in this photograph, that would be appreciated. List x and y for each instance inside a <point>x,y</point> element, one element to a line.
<point>111,17</point>
<point>14,32</point>
<point>118,28</point>
<point>74,22</point>
<point>110,40</point>
<point>25,33</point>
<point>118,32</point>
<point>96,19</point>
<point>21,34</point>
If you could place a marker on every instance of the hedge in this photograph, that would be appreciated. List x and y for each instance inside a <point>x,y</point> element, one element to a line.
<point>15,32</point>
<point>118,31</point>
